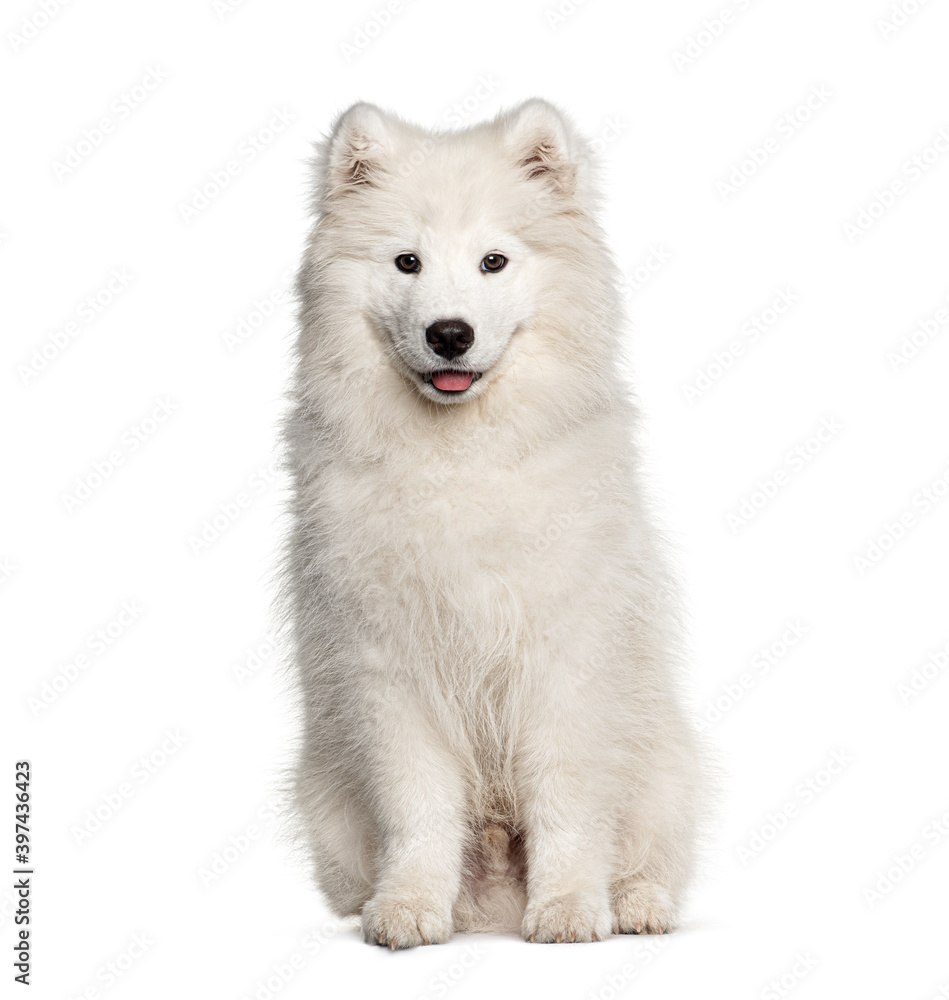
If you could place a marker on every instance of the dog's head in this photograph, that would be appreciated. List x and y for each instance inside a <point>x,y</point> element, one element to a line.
<point>446,242</point>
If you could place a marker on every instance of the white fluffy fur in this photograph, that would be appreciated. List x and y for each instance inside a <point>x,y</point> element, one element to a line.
<point>485,630</point>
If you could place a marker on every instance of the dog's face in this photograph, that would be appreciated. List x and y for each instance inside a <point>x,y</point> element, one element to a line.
<point>450,285</point>
<point>438,236</point>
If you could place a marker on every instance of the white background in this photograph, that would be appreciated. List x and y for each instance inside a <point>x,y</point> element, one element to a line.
<point>184,329</point>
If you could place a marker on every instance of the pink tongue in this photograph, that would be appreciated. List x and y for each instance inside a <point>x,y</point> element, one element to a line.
<point>452,381</point>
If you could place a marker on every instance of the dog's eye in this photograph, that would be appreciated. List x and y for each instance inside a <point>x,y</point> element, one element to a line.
<point>408,263</point>
<point>493,262</point>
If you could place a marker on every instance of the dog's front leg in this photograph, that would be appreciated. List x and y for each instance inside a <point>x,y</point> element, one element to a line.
<point>417,797</point>
<point>568,834</point>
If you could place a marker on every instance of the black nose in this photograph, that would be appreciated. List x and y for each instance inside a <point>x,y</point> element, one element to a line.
<point>450,337</point>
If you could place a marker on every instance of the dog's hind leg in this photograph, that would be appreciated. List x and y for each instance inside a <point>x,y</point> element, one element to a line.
<point>340,841</point>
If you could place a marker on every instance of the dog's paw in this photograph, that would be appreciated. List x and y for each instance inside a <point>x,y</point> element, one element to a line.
<point>643,908</point>
<point>566,919</point>
<point>398,924</point>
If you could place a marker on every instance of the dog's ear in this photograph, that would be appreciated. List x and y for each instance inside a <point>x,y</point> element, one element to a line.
<point>357,150</point>
<point>542,144</point>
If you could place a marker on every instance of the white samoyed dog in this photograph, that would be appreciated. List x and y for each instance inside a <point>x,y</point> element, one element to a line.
<point>485,629</point>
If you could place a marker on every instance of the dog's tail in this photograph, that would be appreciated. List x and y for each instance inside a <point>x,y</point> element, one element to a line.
<point>494,891</point>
